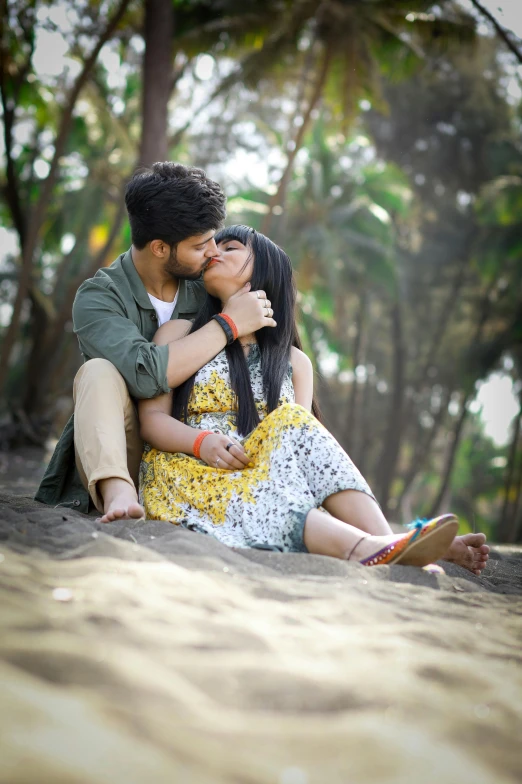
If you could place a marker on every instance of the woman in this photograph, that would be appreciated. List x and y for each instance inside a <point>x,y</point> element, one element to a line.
<point>236,451</point>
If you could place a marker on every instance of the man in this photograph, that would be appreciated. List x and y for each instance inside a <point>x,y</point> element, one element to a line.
<point>174,212</point>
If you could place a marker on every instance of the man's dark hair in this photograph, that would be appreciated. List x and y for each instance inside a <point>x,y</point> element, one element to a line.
<point>171,202</point>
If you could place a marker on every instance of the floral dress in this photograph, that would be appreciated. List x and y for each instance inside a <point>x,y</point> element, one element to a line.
<point>295,464</point>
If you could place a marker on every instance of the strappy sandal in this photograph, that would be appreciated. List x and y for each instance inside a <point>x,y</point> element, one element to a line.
<point>424,544</point>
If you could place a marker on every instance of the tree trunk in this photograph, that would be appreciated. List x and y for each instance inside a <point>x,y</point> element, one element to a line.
<point>157,85</point>
<point>422,449</point>
<point>393,439</point>
<point>277,200</point>
<point>450,459</point>
<point>515,532</point>
<point>517,509</point>
<point>12,81</point>
<point>446,314</point>
<point>46,350</point>
<point>360,457</point>
<point>485,365</point>
<point>157,80</point>
<point>357,355</point>
<point>157,72</point>
<point>505,533</point>
<point>503,34</point>
<point>37,216</point>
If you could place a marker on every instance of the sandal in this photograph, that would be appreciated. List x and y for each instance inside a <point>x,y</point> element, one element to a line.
<point>424,544</point>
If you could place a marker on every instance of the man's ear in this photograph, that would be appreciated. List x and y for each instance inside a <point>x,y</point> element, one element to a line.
<point>160,249</point>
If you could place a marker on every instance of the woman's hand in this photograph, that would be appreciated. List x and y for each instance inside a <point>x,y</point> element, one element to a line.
<point>249,310</point>
<point>214,453</point>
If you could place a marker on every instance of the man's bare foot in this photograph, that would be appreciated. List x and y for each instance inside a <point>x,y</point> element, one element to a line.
<point>120,501</point>
<point>469,551</point>
<point>123,511</point>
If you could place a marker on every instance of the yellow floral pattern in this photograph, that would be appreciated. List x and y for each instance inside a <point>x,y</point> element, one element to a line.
<point>296,464</point>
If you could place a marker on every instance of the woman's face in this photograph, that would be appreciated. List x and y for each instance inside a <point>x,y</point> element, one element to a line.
<point>229,269</point>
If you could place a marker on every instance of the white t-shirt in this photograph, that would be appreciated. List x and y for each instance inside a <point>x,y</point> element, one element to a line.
<point>163,309</point>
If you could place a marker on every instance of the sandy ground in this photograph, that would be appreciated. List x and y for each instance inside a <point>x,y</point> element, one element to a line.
<point>139,652</point>
<point>21,469</point>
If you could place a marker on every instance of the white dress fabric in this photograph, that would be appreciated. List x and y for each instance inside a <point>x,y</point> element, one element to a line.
<point>296,464</point>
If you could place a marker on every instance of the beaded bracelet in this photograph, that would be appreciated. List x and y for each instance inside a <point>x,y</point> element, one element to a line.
<point>196,448</point>
<point>228,327</point>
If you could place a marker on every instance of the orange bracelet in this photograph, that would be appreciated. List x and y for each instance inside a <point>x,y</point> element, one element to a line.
<point>199,440</point>
<point>230,324</point>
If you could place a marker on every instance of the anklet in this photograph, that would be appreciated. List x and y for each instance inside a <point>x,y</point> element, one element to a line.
<point>355,546</point>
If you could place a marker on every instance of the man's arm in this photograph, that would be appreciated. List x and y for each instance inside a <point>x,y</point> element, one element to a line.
<point>188,354</point>
<point>159,428</point>
<point>104,330</point>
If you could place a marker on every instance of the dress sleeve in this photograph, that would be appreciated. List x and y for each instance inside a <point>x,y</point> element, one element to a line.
<point>104,330</point>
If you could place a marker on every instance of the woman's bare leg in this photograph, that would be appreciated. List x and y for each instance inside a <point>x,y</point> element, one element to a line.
<point>325,535</point>
<point>358,509</point>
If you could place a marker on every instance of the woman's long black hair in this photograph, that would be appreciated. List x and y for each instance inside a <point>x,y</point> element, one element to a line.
<point>272,273</point>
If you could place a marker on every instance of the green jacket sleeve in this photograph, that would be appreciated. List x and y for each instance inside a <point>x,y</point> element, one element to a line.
<point>103,327</point>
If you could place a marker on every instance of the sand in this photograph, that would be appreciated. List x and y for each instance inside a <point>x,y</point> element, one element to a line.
<point>139,652</point>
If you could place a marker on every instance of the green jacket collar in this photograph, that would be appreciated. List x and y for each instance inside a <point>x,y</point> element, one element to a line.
<point>139,292</point>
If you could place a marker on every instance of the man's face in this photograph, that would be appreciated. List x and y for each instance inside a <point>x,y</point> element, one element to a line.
<point>191,256</point>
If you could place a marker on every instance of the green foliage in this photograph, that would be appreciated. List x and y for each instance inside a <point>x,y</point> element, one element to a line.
<point>401,214</point>
<point>500,202</point>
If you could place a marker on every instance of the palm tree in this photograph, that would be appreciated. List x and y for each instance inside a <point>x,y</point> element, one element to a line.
<point>333,50</point>
<point>504,35</point>
<point>337,51</point>
<point>340,229</point>
<point>15,66</point>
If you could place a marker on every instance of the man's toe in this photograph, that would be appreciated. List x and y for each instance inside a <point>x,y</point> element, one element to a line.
<point>113,515</point>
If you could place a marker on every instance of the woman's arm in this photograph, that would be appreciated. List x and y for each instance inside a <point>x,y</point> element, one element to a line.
<point>159,428</point>
<point>302,377</point>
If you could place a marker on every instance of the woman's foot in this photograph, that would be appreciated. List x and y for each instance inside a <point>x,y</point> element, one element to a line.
<point>469,551</point>
<point>120,501</point>
<point>424,544</point>
<point>369,545</point>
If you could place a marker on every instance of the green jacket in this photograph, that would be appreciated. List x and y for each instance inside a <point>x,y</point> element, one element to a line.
<point>114,318</point>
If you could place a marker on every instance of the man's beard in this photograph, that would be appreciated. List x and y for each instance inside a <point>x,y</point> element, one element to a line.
<point>178,270</point>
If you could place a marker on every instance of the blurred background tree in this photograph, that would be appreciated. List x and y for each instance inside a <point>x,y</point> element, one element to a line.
<point>379,142</point>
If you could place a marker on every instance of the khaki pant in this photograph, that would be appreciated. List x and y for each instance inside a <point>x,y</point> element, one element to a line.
<point>107,441</point>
